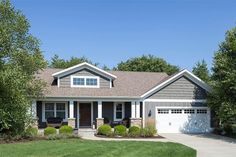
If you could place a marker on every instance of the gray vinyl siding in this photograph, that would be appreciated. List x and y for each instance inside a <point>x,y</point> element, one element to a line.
<point>183,88</point>
<point>65,81</point>
<point>150,107</point>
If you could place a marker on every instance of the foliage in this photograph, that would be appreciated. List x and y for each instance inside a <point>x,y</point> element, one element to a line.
<point>134,131</point>
<point>120,130</point>
<point>31,132</point>
<point>49,131</point>
<point>148,63</point>
<point>66,130</point>
<point>20,59</point>
<point>104,130</point>
<point>222,99</point>
<point>148,131</point>
<point>57,62</point>
<point>201,71</point>
<point>61,136</point>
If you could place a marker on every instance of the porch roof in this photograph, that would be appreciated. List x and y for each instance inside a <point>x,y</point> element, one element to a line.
<point>127,84</point>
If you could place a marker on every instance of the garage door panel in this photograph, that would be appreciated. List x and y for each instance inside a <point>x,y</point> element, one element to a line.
<point>188,121</point>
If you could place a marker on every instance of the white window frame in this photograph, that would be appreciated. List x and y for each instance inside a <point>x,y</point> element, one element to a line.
<point>55,111</point>
<point>85,81</point>
<point>123,110</point>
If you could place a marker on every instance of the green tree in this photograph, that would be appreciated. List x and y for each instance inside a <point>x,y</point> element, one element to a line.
<point>223,97</point>
<point>201,70</point>
<point>57,62</point>
<point>147,63</point>
<point>20,59</point>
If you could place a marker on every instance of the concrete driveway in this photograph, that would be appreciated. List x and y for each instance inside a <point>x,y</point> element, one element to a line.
<point>207,145</point>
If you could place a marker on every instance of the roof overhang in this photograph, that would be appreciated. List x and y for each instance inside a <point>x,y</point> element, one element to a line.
<point>185,73</point>
<point>82,66</point>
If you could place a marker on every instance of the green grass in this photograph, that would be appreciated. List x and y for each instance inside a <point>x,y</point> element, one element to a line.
<point>87,148</point>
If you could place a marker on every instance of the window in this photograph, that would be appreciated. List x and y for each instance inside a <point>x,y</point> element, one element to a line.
<point>85,81</point>
<point>78,81</point>
<point>176,111</point>
<point>163,111</point>
<point>54,110</point>
<point>189,111</point>
<point>118,111</point>
<point>201,111</point>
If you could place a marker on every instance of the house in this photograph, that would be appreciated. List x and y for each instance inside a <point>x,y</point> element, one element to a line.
<point>86,97</point>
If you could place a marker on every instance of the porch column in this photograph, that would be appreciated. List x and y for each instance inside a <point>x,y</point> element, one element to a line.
<point>71,119</point>
<point>100,119</point>
<point>137,109</point>
<point>133,109</point>
<point>34,114</point>
<point>135,119</point>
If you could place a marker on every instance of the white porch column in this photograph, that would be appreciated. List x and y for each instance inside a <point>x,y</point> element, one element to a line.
<point>34,109</point>
<point>71,119</point>
<point>137,109</point>
<point>99,109</point>
<point>133,109</point>
<point>71,109</point>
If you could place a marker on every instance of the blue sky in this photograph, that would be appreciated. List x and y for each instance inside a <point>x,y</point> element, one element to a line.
<point>109,31</point>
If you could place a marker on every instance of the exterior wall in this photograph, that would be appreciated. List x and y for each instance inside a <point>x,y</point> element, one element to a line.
<point>150,107</point>
<point>127,109</point>
<point>65,81</point>
<point>107,110</point>
<point>95,111</point>
<point>183,88</point>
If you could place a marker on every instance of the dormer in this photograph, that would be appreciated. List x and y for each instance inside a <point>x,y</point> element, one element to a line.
<point>84,75</point>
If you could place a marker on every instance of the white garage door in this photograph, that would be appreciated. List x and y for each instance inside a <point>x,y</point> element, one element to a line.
<point>182,120</point>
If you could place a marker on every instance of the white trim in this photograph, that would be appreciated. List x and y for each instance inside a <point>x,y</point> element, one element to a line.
<point>60,73</point>
<point>58,82</point>
<point>175,100</point>
<point>55,114</point>
<point>133,113</point>
<point>110,83</point>
<point>143,112</point>
<point>71,108</point>
<point>186,73</point>
<point>114,109</point>
<point>85,81</point>
<point>137,109</point>
<point>182,107</point>
<point>34,109</point>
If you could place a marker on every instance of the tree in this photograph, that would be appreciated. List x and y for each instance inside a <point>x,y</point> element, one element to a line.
<point>57,62</point>
<point>147,63</point>
<point>201,70</point>
<point>223,97</point>
<point>20,59</point>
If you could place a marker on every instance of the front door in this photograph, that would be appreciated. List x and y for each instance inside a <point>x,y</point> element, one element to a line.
<point>85,114</point>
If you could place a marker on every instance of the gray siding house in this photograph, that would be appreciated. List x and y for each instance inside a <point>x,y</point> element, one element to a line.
<point>87,97</point>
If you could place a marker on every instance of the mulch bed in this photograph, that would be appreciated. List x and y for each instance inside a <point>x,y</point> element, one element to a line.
<point>121,137</point>
<point>21,140</point>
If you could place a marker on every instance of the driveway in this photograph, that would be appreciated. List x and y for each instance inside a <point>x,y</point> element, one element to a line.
<point>207,145</point>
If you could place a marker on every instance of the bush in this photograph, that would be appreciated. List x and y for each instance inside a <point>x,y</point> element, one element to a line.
<point>66,130</point>
<point>31,132</point>
<point>120,130</point>
<point>61,136</point>
<point>234,128</point>
<point>49,131</point>
<point>228,129</point>
<point>148,131</point>
<point>104,130</point>
<point>134,131</point>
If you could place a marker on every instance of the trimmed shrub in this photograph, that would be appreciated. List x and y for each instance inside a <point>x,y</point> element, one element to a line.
<point>61,136</point>
<point>31,132</point>
<point>134,131</point>
<point>49,131</point>
<point>234,128</point>
<point>120,130</point>
<point>228,129</point>
<point>104,130</point>
<point>66,130</point>
<point>148,131</point>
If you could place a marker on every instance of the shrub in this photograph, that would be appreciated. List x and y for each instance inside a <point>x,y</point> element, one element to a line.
<point>120,130</point>
<point>66,130</point>
<point>148,131</point>
<point>134,131</point>
<point>61,136</point>
<point>234,128</point>
<point>49,131</point>
<point>228,129</point>
<point>31,132</point>
<point>104,130</point>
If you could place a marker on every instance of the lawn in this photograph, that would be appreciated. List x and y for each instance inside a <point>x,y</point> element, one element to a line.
<point>86,148</point>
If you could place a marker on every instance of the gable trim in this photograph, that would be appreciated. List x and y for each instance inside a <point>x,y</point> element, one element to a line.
<point>65,71</point>
<point>185,73</point>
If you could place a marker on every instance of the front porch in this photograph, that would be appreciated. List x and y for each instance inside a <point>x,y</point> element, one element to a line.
<point>90,114</point>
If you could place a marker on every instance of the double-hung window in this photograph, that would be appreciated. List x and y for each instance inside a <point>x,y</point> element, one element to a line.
<point>119,111</point>
<point>51,109</point>
<point>85,81</point>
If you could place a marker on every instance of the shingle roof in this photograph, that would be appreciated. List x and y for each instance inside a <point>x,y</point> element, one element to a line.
<point>127,84</point>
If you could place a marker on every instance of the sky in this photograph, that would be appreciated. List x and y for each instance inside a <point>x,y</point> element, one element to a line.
<point>110,31</point>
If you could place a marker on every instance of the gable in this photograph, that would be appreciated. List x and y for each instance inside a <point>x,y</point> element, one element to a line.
<point>182,88</point>
<point>65,81</point>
